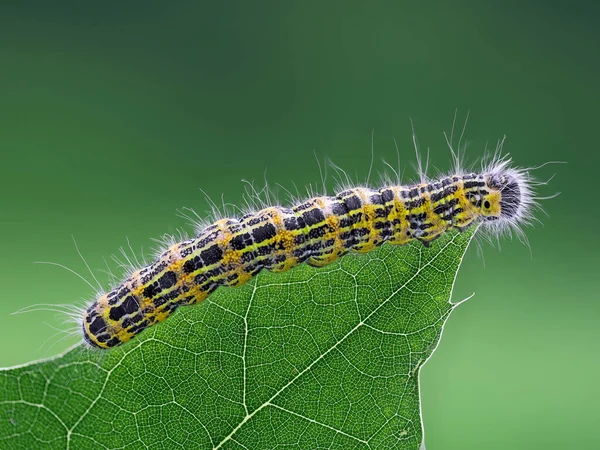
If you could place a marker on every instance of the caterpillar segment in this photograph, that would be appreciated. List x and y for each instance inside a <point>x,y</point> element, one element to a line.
<point>318,231</point>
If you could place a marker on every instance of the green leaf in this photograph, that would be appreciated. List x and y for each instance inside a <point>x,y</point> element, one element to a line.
<point>310,358</point>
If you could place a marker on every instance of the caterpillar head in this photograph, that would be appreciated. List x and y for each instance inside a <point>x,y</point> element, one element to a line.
<point>507,197</point>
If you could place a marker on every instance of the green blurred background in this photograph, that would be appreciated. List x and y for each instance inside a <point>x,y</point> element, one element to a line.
<point>114,115</point>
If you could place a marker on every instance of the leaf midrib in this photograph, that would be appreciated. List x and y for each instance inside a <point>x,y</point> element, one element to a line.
<point>333,347</point>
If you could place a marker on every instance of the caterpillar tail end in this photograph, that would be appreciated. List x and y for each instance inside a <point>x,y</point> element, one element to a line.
<point>107,325</point>
<point>97,331</point>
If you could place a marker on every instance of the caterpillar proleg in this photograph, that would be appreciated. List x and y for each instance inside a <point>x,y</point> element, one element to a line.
<point>317,231</point>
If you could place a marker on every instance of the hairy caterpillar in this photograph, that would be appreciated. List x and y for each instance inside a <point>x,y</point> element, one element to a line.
<point>317,231</point>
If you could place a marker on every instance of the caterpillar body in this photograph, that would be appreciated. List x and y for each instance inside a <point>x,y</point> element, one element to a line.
<point>317,231</point>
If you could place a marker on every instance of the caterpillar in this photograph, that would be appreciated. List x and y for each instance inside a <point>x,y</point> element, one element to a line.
<point>318,231</point>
